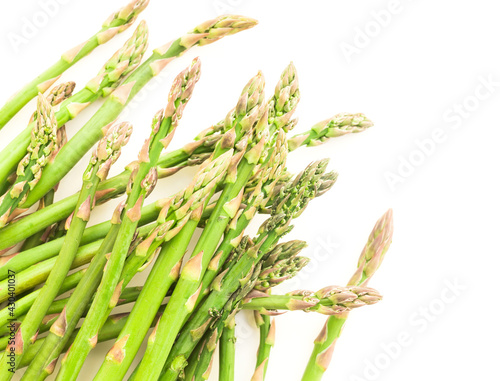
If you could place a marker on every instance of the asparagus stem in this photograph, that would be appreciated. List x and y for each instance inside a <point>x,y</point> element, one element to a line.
<point>249,110</point>
<point>143,180</point>
<point>267,329</point>
<point>72,152</point>
<point>105,154</point>
<point>116,23</point>
<point>227,353</point>
<point>333,300</point>
<point>40,150</point>
<point>114,71</point>
<point>370,260</point>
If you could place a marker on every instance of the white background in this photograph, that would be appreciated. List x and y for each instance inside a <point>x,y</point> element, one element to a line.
<point>415,65</point>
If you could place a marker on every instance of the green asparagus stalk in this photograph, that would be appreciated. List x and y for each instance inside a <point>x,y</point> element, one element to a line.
<point>106,153</point>
<point>29,170</point>
<point>193,361</point>
<point>123,62</point>
<point>332,300</point>
<point>142,181</point>
<point>250,110</point>
<point>72,152</point>
<point>267,330</point>
<point>370,260</point>
<point>116,23</point>
<point>291,201</point>
<point>323,131</point>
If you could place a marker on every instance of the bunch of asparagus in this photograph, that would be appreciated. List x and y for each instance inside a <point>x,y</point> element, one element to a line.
<point>241,174</point>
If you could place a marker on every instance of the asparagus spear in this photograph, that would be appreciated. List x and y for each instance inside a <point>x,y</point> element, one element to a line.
<point>370,260</point>
<point>115,23</point>
<point>291,201</point>
<point>142,181</point>
<point>203,34</point>
<point>29,170</point>
<point>105,154</point>
<point>323,131</point>
<point>112,74</point>
<point>332,300</point>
